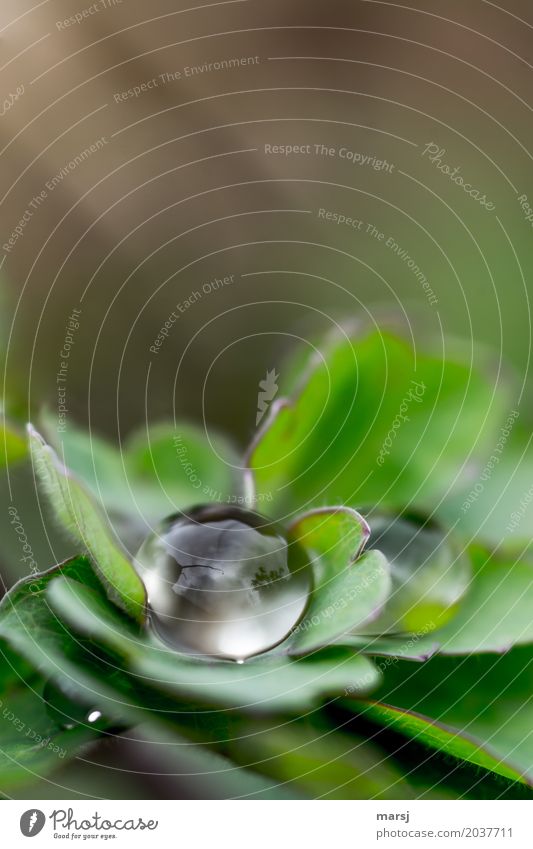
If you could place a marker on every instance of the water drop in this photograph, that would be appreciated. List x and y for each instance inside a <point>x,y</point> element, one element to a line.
<point>223,582</point>
<point>93,716</point>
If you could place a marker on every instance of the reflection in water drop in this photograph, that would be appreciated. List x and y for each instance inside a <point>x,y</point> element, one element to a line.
<point>429,575</point>
<point>223,582</point>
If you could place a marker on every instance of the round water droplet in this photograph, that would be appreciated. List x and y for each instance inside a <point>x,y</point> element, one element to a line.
<point>223,582</point>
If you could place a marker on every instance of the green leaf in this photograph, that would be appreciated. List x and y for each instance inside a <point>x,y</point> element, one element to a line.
<point>47,642</point>
<point>494,615</point>
<point>42,633</point>
<point>479,709</point>
<point>30,590</point>
<point>32,743</point>
<point>347,592</point>
<point>179,465</point>
<point>496,612</point>
<point>322,762</point>
<point>76,513</point>
<point>326,756</point>
<point>494,502</point>
<point>260,685</point>
<point>156,473</point>
<point>94,460</point>
<point>373,421</point>
<point>40,615</point>
<point>41,640</point>
<point>13,446</point>
<point>25,614</point>
<point>437,736</point>
<point>430,575</point>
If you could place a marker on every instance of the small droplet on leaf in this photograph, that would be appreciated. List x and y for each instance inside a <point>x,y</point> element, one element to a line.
<point>70,712</point>
<point>93,716</point>
<point>223,582</point>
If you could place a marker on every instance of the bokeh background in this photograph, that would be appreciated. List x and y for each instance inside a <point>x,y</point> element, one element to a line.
<point>195,159</point>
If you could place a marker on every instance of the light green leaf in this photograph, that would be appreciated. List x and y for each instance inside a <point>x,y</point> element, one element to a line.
<point>94,460</point>
<point>44,644</point>
<point>180,465</point>
<point>13,446</point>
<point>76,513</point>
<point>373,421</point>
<point>156,473</point>
<point>493,503</point>
<point>348,592</point>
<point>80,668</point>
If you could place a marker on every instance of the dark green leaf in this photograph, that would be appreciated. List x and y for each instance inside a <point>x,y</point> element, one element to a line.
<point>324,763</point>
<point>479,709</point>
<point>32,743</point>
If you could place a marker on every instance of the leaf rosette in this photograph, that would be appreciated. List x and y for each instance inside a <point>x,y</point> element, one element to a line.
<point>409,623</point>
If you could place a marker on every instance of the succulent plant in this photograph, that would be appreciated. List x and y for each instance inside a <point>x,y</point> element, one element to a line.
<point>266,618</point>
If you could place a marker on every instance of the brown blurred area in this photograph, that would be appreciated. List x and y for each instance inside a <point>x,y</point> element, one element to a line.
<point>182,192</point>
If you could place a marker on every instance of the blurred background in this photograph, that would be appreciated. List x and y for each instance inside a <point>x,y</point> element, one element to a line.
<point>190,190</point>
